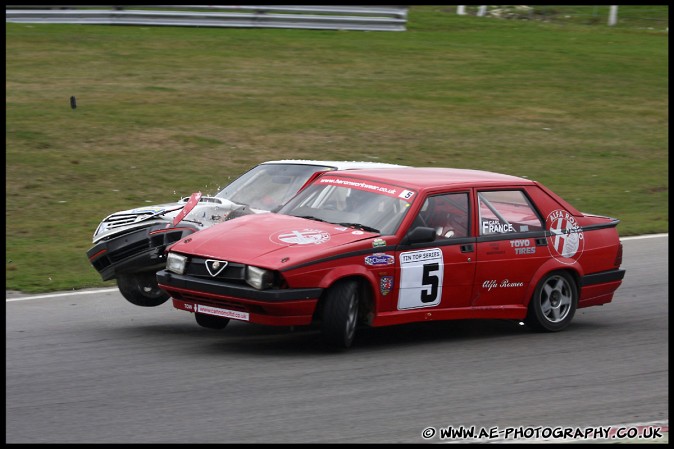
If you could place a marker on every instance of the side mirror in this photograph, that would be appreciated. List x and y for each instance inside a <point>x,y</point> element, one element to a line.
<point>420,235</point>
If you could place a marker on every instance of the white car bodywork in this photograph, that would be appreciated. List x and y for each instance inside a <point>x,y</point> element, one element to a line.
<point>215,209</point>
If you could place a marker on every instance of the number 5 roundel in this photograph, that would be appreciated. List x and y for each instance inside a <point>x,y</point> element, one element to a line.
<point>420,278</point>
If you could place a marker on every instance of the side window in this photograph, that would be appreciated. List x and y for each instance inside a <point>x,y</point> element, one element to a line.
<point>507,211</point>
<point>447,214</point>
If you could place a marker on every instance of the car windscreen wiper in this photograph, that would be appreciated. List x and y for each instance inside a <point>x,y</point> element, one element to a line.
<point>310,217</point>
<point>360,226</point>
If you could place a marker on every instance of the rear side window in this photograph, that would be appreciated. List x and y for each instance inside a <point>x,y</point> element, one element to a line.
<point>506,212</point>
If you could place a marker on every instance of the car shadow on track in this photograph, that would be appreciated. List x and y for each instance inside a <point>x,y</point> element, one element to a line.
<point>247,338</point>
<point>258,339</point>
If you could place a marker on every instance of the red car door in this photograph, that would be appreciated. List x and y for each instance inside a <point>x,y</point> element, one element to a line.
<point>511,246</point>
<point>439,274</point>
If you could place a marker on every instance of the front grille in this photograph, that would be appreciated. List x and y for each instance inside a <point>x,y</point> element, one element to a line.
<point>129,250</point>
<point>119,220</point>
<point>235,272</point>
<point>165,238</point>
<point>101,263</point>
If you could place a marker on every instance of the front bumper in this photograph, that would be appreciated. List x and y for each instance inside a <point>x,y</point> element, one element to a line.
<point>137,251</point>
<point>276,307</point>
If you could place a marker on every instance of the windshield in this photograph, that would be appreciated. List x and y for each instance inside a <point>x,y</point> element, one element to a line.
<point>268,186</point>
<point>370,206</point>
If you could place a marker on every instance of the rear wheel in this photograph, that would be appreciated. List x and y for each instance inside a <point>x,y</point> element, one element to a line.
<point>141,289</point>
<point>211,321</point>
<point>554,303</point>
<point>340,314</point>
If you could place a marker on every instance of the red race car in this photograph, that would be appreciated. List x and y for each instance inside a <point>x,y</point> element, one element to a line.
<point>389,246</point>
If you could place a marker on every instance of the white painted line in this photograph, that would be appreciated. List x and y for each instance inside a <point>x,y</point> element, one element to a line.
<point>56,295</point>
<point>647,236</point>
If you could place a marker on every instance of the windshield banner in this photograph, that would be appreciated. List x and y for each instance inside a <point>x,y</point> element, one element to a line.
<point>384,189</point>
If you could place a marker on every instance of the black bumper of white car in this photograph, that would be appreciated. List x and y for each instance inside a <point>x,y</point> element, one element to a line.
<point>137,251</point>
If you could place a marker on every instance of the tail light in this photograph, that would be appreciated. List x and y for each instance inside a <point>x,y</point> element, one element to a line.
<point>619,256</point>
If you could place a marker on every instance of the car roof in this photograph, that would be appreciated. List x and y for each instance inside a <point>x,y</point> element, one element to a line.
<point>339,165</point>
<point>431,177</point>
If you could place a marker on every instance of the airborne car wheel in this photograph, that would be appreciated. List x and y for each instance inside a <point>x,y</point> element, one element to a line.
<point>554,303</point>
<point>211,321</point>
<point>141,289</point>
<point>340,314</point>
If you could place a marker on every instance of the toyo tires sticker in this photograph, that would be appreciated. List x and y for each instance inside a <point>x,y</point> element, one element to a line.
<point>566,242</point>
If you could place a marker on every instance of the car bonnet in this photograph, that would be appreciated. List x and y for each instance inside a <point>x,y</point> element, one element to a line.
<point>269,240</point>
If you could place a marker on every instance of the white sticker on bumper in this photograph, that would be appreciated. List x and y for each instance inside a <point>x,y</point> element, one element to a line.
<point>243,316</point>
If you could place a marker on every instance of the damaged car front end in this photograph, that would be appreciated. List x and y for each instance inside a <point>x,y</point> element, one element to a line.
<point>130,245</point>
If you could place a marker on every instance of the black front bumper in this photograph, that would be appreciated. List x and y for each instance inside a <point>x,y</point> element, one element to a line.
<point>196,285</point>
<point>137,251</point>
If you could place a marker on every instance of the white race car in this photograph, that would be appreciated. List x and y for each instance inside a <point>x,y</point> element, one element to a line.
<point>129,245</point>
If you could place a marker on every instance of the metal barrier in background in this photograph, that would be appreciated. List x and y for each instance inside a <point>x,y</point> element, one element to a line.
<point>353,17</point>
<point>636,16</point>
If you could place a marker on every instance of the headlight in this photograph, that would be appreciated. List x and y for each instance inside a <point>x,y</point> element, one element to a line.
<point>175,263</point>
<point>259,277</point>
<point>102,227</point>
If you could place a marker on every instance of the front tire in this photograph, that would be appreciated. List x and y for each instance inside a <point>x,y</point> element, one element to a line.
<point>141,289</point>
<point>340,314</point>
<point>211,321</point>
<point>554,303</point>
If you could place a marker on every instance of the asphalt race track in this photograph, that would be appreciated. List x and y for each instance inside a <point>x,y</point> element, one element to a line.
<point>92,368</point>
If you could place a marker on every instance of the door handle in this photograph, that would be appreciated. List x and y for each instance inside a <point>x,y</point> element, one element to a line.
<point>467,248</point>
